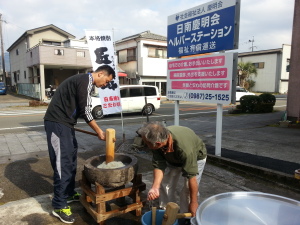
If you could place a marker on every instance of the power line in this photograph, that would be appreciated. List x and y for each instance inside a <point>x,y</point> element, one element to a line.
<point>4,30</point>
<point>252,41</point>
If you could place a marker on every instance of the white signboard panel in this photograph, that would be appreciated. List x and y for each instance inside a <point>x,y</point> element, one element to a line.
<point>101,50</point>
<point>202,78</point>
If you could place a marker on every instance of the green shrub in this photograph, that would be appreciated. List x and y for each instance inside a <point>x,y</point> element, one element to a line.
<point>249,102</point>
<point>257,104</point>
<point>268,98</point>
<point>263,108</point>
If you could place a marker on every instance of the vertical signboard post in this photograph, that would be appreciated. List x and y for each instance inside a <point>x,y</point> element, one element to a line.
<point>211,27</point>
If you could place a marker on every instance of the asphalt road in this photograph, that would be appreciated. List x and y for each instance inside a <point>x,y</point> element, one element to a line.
<point>243,134</point>
<point>17,116</point>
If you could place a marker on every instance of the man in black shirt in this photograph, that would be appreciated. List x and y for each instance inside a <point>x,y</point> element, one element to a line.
<point>71,100</point>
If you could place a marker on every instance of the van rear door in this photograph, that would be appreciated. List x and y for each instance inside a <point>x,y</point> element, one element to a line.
<point>124,99</point>
<point>136,100</point>
<point>153,96</point>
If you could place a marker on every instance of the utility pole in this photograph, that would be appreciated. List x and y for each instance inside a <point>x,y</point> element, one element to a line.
<point>252,44</point>
<point>2,51</point>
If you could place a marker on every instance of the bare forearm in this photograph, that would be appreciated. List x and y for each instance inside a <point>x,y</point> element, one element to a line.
<point>193,187</point>
<point>157,178</point>
<point>154,190</point>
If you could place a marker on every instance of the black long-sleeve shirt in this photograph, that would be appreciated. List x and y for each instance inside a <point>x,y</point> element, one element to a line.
<point>71,100</point>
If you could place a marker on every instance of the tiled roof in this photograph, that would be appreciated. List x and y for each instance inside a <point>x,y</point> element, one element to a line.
<point>32,31</point>
<point>146,35</point>
<point>270,51</point>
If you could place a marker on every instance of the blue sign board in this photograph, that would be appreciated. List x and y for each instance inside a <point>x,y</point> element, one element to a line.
<point>211,27</point>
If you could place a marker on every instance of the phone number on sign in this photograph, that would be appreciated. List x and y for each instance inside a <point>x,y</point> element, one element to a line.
<point>203,96</point>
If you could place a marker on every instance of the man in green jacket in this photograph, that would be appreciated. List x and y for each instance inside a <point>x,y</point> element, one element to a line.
<point>176,150</point>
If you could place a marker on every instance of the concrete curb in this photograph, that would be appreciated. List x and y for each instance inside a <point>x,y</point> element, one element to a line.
<point>281,179</point>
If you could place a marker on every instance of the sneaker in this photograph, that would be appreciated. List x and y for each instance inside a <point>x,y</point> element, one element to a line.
<point>65,214</point>
<point>74,198</point>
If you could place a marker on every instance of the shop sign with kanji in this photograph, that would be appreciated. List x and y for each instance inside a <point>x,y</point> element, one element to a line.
<point>210,27</point>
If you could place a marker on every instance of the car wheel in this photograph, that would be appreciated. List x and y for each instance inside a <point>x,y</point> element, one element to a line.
<point>98,112</point>
<point>148,109</point>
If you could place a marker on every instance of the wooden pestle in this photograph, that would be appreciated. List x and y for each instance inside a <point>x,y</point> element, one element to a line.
<point>171,214</point>
<point>110,144</point>
<point>153,216</point>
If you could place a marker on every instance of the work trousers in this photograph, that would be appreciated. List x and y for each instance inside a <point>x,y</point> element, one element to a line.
<point>62,147</point>
<point>169,185</point>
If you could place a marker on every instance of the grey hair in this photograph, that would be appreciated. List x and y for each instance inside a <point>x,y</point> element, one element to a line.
<point>154,132</point>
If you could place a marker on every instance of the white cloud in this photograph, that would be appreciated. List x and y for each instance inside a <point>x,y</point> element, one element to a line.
<point>269,21</point>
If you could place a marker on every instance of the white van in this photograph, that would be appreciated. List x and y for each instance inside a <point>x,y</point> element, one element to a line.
<point>132,100</point>
<point>240,92</point>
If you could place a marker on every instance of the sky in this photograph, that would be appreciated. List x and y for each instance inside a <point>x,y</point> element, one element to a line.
<point>267,22</point>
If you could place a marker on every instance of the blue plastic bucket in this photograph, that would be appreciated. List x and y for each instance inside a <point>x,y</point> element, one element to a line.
<point>147,218</point>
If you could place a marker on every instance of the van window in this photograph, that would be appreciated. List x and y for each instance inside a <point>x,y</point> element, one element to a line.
<point>135,92</point>
<point>123,93</point>
<point>150,91</point>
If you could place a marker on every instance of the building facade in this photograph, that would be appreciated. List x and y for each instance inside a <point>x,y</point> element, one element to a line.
<point>272,69</point>
<point>143,57</point>
<point>46,56</point>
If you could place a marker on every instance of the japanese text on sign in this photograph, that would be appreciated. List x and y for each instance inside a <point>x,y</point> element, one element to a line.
<point>194,63</point>
<point>197,80</point>
<point>202,29</point>
<point>201,74</point>
<point>199,10</point>
<point>111,102</point>
<point>100,38</point>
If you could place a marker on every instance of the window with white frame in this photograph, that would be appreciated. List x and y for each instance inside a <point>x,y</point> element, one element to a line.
<point>52,43</point>
<point>157,52</point>
<point>80,54</point>
<point>122,56</point>
<point>259,65</point>
<point>58,52</point>
<point>131,54</point>
<point>287,65</point>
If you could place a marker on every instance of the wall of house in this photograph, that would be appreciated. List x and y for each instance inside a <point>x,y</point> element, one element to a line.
<point>129,67</point>
<point>284,79</point>
<point>148,66</point>
<point>69,57</point>
<point>18,63</point>
<point>126,44</point>
<point>48,35</point>
<point>78,44</point>
<point>265,79</point>
<point>153,66</point>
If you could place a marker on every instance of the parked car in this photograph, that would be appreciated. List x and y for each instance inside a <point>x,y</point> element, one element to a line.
<point>240,91</point>
<point>132,100</point>
<point>3,88</point>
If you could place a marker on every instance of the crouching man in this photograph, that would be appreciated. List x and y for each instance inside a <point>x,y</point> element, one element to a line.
<point>176,150</point>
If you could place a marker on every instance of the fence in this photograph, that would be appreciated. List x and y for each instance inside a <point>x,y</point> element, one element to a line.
<point>30,90</point>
